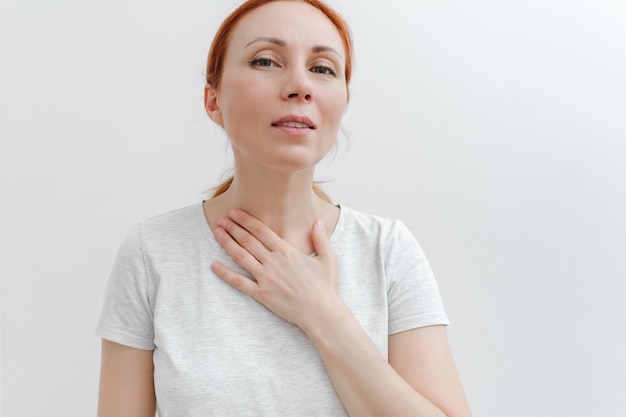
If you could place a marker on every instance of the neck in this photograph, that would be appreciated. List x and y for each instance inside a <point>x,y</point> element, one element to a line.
<point>286,204</point>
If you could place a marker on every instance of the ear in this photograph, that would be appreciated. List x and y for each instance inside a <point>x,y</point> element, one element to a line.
<point>212,106</point>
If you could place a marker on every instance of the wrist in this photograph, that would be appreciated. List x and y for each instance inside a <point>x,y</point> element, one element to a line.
<point>328,321</point>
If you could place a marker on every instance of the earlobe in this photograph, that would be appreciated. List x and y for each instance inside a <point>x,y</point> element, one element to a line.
<point>211,105</point>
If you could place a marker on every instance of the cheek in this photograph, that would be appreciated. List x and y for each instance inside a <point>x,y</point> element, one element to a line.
<point>242,106</point>
<point>336,101</point>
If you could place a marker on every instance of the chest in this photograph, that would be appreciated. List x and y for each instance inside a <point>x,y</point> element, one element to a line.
<point>219,352</point>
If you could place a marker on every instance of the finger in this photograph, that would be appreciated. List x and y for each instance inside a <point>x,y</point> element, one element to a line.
<point>245,239</point>
<point>234,279</point>
<point>258,229</point>
<point>321,242</point>
<point>240,255</point>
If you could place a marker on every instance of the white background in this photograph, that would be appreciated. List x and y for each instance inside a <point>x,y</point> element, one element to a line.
<point>495,129</point>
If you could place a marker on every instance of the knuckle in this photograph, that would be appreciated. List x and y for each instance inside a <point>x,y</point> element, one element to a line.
<point>245,240</point>
<point>269,266</point>
<point>239,256</point>
<point>283,250</point>
<point>257,230</point>
<point>236,281</point>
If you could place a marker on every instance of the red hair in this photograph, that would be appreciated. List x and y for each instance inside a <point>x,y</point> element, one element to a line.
<point>217,53</point>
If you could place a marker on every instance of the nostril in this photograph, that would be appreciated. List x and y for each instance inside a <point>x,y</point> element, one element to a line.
<point>292,95</point>
<point>307,97</point>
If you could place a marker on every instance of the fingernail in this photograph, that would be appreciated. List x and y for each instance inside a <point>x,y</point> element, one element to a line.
<point>218,232</point>
<point>319,225</point>
<point>233,214</point>
<point>221,222</point>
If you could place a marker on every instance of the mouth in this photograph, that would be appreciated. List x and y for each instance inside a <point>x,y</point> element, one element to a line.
<point>295,122</point>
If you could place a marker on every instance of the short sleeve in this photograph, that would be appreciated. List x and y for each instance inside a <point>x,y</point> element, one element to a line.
<point>127,315</point>
<point>413,295</point>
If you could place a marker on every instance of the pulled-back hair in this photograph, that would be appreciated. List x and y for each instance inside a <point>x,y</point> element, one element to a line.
<point>217,53</point>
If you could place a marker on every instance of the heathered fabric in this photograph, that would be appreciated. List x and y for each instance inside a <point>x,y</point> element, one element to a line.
<point>217,352</point>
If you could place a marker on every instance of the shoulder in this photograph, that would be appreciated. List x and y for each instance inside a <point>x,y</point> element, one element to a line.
<point>390,240</point>
<point>171,221</point>
<point>368,226</point>
<point>166,230</point>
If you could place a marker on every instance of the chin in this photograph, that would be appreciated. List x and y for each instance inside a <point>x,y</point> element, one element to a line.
<point>293,165</point>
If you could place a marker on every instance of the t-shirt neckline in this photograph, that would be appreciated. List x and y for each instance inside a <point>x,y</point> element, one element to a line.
<point>205,229</point>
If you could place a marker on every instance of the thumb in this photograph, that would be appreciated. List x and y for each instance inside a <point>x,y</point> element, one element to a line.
<point>320,240</point>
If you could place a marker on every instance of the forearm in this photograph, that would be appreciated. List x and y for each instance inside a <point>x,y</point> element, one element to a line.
<point>364,380</point>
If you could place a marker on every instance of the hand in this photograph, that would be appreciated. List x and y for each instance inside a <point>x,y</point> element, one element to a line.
<point>296,287</point>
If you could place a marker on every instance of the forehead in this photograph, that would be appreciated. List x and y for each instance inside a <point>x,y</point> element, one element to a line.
<point>296,23</point>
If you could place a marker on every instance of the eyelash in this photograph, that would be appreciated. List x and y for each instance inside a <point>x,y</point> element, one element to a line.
<point>325,69</point>
<point>328,70</point>
<point>257,62</point>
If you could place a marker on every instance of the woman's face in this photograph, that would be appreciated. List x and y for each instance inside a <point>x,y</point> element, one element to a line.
<point>283,91</point>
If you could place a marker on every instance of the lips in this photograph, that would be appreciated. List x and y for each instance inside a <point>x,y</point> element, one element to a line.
<point>295,121</point>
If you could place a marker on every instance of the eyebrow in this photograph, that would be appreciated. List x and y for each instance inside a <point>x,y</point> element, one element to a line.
<point>282,43</point>
<point>275,41</point>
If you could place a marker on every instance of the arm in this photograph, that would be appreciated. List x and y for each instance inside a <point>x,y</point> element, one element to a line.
<point>418,381</point>
<point>422,357</point>
<point>126,382</point>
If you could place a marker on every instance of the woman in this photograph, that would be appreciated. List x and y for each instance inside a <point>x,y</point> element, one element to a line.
<point>268,300</point>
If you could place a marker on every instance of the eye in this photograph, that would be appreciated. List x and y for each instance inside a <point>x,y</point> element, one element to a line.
<point>262,63</point>
<point>324,70</point>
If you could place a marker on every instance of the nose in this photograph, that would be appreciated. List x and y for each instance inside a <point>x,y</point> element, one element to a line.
<point>298,85</point>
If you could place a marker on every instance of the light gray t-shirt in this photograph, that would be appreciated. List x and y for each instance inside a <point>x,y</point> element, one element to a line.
<point>217,352</point>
